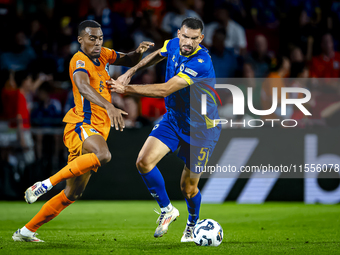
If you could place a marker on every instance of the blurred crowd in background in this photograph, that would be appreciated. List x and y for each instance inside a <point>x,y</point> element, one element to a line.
<point>269,43</point>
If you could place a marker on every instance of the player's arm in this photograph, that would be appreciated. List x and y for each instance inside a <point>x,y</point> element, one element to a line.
<point>82,81</point>
<point>152,59</point>
<point>132,58</point>
<point>150,90</point>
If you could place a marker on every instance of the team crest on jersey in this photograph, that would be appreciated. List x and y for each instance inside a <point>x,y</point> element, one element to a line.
<point>190,71</point>
<point>93,130</point>
<point>80,63</point>
<point>200,60</point>
<point>155,127</point>
<point>181,67</point>
<point>107,69</point>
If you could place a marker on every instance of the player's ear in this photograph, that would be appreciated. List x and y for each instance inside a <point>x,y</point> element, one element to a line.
<point>178,33</point>
<point>202,37</point>
<point>80,39</point>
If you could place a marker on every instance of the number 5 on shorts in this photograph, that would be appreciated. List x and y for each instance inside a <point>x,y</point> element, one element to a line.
<point>204,153</point>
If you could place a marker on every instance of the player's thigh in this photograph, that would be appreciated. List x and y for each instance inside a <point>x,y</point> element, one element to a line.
<point>76,186</point>
<point>151,153</point>
<point>96,144</point>
<point>189,182</point>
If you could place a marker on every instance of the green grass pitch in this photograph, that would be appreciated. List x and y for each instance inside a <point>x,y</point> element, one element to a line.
<point>127,227</point>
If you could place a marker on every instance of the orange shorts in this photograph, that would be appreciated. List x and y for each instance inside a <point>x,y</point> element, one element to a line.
<point>76,134</point>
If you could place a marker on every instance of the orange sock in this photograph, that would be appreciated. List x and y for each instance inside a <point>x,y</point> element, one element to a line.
<point>50,210</point>
<point>78,166</point>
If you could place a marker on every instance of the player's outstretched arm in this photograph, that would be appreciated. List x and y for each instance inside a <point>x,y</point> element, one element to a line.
<point>152,59</point>
<point>132,58</point>
<point>150,90</point>
<point>82,81</point>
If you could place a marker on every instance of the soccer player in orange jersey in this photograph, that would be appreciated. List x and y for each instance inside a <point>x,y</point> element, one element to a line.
<point>88,125</point>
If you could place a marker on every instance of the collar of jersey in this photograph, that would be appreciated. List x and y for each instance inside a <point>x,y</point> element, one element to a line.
<point>198,48</point>
<point>95,63</point>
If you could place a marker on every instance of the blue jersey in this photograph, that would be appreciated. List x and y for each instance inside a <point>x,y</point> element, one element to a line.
<point>184,106</point>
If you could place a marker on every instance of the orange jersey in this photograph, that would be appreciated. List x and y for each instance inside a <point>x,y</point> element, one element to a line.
<point>98,72</point>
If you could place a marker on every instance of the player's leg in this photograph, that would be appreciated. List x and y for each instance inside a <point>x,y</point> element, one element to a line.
<point>97,153</point>
<point>53,207</point>
<point>189,187</point>
<point>74,189</point>
<point>151,153</point>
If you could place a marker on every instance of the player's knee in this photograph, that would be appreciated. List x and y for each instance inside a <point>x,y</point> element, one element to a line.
<point>143,165</point>
<point>189,191</point>
<point>104,156</point>
<point>73,195</point>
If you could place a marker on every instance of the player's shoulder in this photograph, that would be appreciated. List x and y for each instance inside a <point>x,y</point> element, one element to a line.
<point>80,57</point>
<point>173,44</point>
<point>79,61</point>
<point>201,59</point>
<point>106,51</point>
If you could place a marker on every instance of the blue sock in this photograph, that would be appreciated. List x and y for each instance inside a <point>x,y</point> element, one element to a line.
<point>194,205</point>
<point>155,183</point>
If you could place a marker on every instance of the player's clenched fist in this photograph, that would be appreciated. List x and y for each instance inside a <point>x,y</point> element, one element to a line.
<point>116,86</point>
<point>116,117</point>
<point>144,46</point>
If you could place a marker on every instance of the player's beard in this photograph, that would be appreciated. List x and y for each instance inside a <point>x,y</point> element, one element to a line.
<point>185,53</point>
<point>96,55</point>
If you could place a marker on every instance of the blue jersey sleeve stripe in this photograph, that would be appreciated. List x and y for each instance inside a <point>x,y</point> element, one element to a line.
<point>81,70</point>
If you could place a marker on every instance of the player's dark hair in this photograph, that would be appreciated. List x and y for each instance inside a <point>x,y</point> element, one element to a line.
<point>20,76</point>
<point>193,23</point>
<point>87,23</point>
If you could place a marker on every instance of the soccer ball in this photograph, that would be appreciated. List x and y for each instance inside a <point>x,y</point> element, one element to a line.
<point>208,233</point>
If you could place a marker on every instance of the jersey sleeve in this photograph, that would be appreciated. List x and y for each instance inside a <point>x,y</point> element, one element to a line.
<point>195,70</point>
<point>165,49</point>
<point>110,55</point>
<point>79,63</point>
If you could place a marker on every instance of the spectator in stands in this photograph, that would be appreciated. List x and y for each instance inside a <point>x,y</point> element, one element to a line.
<point>237,10</point>
<point>223,59</point>
<point>250,81</point>
<point>300,71</point>
<point>310,7</point>
<point>156,7</point>
<point>280,69</point>
<point>148,30</point>
<point>151,108</point>
<point>133,119</point>
<point>113,25</point>
<point>327,64</point>
<point>21,122</point>
<point>260,58</point>
<point>172,20</point>
<point>265,13</point>
<point>300,33</point>
<point>47,112</point>
<point>19,56</point>
<point>235,34</point>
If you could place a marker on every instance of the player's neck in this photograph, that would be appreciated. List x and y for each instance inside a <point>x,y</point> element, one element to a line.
<point>93,59</point>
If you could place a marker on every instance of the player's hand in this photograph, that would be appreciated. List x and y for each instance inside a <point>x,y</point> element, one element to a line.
<point>116,86</point>
<point>144,46</point>
<point>124,79</point>
<point>116,117</point>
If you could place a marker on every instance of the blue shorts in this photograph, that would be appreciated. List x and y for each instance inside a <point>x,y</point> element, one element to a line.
<point>195,157</point>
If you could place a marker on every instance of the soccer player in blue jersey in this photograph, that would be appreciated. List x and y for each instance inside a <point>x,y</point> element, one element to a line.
<point>189,74</point>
